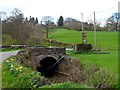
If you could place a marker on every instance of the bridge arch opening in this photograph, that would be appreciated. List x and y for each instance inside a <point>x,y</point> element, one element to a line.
<point>48,66</point>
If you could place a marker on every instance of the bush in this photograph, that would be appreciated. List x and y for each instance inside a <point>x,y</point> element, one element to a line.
<point>83,48</point>
<point>16,76</point>
<point>36,38</point>
<point>7,40</point>
<point>31,42</point>
<point>98,77</point>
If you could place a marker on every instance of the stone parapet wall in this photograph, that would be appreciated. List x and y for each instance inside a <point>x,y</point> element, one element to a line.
<point>83,47</point>
<point>47,51</point>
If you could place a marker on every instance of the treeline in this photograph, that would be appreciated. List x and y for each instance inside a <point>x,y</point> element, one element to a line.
<point>19,30</point>
<point>74,24</point>
<point>112,24</point>
<point>16,29</point>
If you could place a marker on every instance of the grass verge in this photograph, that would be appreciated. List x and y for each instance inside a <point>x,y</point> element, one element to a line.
<point>9,49</point>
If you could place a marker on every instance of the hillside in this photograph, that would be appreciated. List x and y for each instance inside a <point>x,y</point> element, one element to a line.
<point>105,40</point>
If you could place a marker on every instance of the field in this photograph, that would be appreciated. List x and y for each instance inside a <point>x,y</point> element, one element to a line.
<point>106,41</point>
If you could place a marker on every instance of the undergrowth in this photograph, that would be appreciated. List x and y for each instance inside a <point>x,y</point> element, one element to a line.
<point>66,85</point>
<point>98,77</point>
<point>16,76</point>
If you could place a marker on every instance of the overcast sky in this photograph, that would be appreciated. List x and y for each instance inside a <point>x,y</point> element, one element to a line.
<point>66,8</point>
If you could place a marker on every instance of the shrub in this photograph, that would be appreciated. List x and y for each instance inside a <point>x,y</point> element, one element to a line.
<point>98,77</point>
<point>31,42</point>
<point>16,76</point>
<point>83,48</point>
<point>36,37</point>
<point>7,40</point>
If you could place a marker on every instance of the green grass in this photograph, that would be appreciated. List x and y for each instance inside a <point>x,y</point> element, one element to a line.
<point>106,61</point>
<point>9,49</point>
<point>105,40</point>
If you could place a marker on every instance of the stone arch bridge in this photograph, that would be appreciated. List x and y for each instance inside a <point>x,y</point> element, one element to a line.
<point>44,60</point>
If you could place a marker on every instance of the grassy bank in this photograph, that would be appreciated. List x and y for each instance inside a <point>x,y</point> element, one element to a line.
<point>106,61</point>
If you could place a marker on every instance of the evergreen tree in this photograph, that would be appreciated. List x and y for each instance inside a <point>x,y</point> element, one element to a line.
<point>60,21</point>
<point>30,19</point>
<point>36,20</point>
<point>33,20</point>
<point>26,19</point>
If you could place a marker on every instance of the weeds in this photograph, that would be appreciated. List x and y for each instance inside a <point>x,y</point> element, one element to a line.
<point>98,77</point>
<point>66,85</point>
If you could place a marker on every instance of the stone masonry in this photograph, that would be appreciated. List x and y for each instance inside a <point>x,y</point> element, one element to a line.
<point>32,56</point>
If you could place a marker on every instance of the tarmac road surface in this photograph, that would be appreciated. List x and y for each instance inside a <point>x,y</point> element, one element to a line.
<point>4,55</point>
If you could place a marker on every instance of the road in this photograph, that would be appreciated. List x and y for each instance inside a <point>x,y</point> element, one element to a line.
<point>4,55</point>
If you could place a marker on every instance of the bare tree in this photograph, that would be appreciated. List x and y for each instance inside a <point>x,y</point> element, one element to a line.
<point>16,27</point>
<point>71,23</point>
<point>3,15</point>
<point>112,22</point>
<point>47,20</point>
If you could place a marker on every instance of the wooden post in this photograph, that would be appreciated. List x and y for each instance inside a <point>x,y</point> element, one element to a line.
<point>83,33</point>
<point>47,29</point>
<point>50,42</point>
<point>75,48</point>
<point>82,21</point>
<point>1,54</point>
<point>94,32</point>
<point>0,32</point>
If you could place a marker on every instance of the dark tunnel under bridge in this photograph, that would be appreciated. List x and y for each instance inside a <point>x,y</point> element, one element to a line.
<point>48,66</point>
